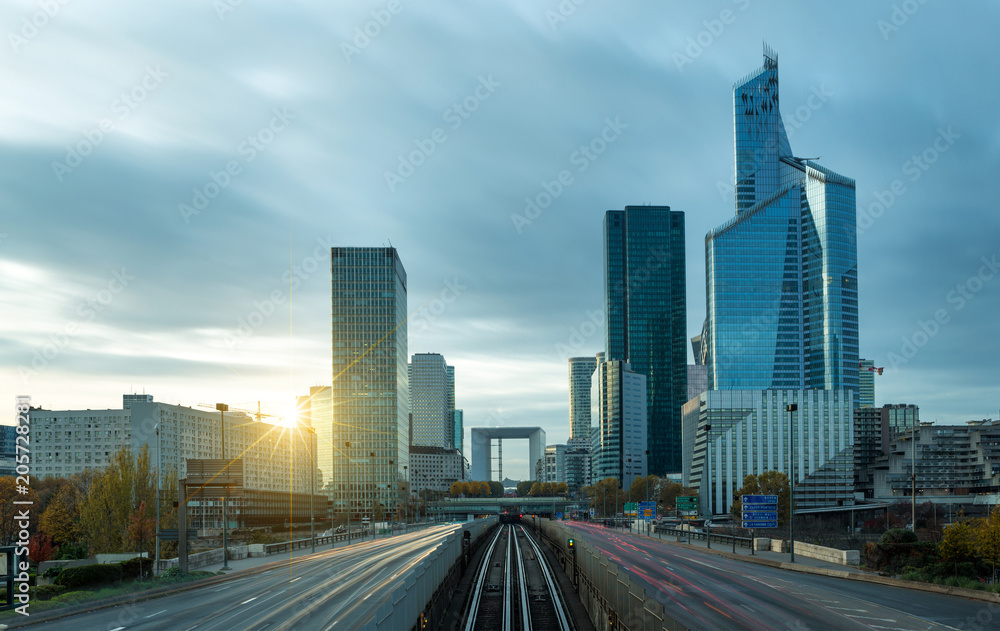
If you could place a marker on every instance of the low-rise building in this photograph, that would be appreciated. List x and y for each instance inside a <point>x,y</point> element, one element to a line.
<point>434,468</point>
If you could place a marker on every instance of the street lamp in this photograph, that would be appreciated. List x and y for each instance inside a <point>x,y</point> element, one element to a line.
<point>371,467</point>
<point>347,446</point>
<point>159,461</point>
<point>791,407</point>
<point>913,479</point>
<point>647,487</point>
<point>406,507</point>
<point>312,482</point>
<point>223,408</point>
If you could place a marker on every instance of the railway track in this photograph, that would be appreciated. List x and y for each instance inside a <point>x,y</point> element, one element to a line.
<point>514,588</point>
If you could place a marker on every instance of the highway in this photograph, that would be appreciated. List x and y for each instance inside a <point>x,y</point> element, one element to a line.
<point>340,588</point>
<point>705,591</point>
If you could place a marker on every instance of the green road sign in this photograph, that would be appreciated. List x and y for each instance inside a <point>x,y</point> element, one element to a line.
<point>631,508</point>
<point>687,503</point>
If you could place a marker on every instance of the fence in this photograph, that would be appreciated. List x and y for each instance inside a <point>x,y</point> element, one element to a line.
<point>608,594</point>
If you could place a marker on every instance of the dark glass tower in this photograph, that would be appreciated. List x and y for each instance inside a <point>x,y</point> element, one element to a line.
<point>782,275</point>
<point>645,317</point>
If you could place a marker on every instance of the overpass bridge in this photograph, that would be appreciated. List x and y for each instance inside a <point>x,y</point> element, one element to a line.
<point>545,506</point>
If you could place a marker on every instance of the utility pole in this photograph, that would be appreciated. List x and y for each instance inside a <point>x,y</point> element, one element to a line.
<point>159,462</point>
<point>222,408</point>
<point>791,407</point>
<point>913,477</point>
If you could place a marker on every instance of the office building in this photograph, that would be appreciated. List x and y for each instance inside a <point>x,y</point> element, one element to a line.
<point>458,430</point>
<point>646,317</point>
<point>782,275</point>
<point>580,371</point>
<point>434,468</point>
<point>576,464</point>
<point>874,429</point>
<point>370,394</point>
<point>432,397</point>
<point>618,404</point>
<point>67,442</point>
<point>729,434</point>
<point>902,417</point>
<point>946,460</point>
<point>866,383</point>
<point>8,450</point>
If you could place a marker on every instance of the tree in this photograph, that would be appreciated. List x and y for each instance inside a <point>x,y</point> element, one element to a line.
<point>59,519</point>
<point>113,496</point>
<point>40,548</point>
<point>958,543</point>
<point>767,483</point>
<point>496,488</point>
<point>602,497</point>
<point>456,488</point>
<point>141,528</point>
<point>670,491</point>
<point>523,488</point>
<point>9,528</point>
<point>987,537</point>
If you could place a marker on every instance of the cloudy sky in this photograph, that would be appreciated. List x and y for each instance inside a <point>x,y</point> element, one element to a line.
<point>174,174</point>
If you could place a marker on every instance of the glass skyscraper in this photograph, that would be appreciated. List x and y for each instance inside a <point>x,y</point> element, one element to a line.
<point>645,311</point>
<point>782,275</point>
<point>370,396</point>
<point>432,398</point>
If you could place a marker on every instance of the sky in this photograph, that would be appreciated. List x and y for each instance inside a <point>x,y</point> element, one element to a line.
<point>173,175</point>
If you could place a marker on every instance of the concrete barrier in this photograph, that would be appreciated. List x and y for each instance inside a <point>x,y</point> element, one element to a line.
<point>830,555</point>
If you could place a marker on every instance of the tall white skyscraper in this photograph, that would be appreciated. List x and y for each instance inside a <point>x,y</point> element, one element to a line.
<point>370,395</point>
<point>580,371</point>
<point>432,401</point>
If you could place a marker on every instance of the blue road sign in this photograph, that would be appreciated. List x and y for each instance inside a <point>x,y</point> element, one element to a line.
<point>760,499</point>
<point>759,516</point>
<point>760,524</point>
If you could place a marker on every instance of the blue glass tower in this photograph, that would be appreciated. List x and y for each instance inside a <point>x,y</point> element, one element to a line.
<point>645,311</point>
<point>782,275</point>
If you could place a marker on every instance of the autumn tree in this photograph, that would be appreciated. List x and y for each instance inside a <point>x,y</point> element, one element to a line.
<point>523,488</point>
<point>767,483</point>
<point>987,538</point>
<point>670,491</point>
<point>112,498</point>
<point>457,488</point>
<point>40,548</point>
<point>141,528</point>
<point>59,519</point>
<point>9,493</point>
<point>603,496</point>
<point>496,488</point>
<point>958,543</point>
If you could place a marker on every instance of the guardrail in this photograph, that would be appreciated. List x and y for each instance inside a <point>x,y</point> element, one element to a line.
<point>607,591</point>
<point>727,540</point>
<point>424,579</point>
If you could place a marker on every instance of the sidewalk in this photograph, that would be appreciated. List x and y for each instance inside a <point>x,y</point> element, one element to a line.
<point>726,549</point>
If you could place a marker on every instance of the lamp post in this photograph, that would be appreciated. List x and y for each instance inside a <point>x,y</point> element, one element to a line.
<point>406,508</point>
<point>913,479</point>
<point>392,515</point>
<point>629,496</point>
<point>371,468</point>
<point>223,408</point>
<point>159,460</point>
<point>706,472</point>
<point>647,486</point>
<point>347,446</point>
<point>791,407</point>
<point>312,482</point>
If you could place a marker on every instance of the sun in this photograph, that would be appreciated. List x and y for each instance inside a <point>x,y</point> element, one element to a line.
<point>289,416</point>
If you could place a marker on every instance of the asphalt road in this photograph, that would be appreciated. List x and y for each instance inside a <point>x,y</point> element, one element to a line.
<point>704,591</point>
<point>339,589</point>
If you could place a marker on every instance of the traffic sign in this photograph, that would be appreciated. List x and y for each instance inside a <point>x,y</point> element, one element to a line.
<point>647,510</point>
<point>630,508</point>
<point>759,511</point>
<point>687,503</point>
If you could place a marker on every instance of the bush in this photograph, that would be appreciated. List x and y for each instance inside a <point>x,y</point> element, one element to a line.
<point>71,552</point>
<point>898,535</point>
<point>89,575</point>
<point>132,568</point>
<point>45,592</point>
<point>52,572</point>
<point>71,598</point>
<point>171,573</point>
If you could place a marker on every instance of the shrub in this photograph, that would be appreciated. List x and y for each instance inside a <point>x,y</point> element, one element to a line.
<point>52,572</point>
<point>71,551</point>
<point>132,567</point>
<point>45,592</point>
<point>898,535</point>
<point>89,575</point>
<point>172,573</point>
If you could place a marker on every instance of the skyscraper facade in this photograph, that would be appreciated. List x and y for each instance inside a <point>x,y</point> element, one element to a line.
<point>370,395</point>
<point>458,430</point>
<point>580,371</point>
<point>866,383</point>
<point>782,275</point>
<point>618,404</point>
<point>432,400</point>
<point>646,317</point>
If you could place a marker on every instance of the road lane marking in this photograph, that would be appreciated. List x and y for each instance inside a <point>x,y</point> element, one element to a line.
<point>155,614</point>
<point>295,579</point>
<point>250,601</point>
<point>871,618</point>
